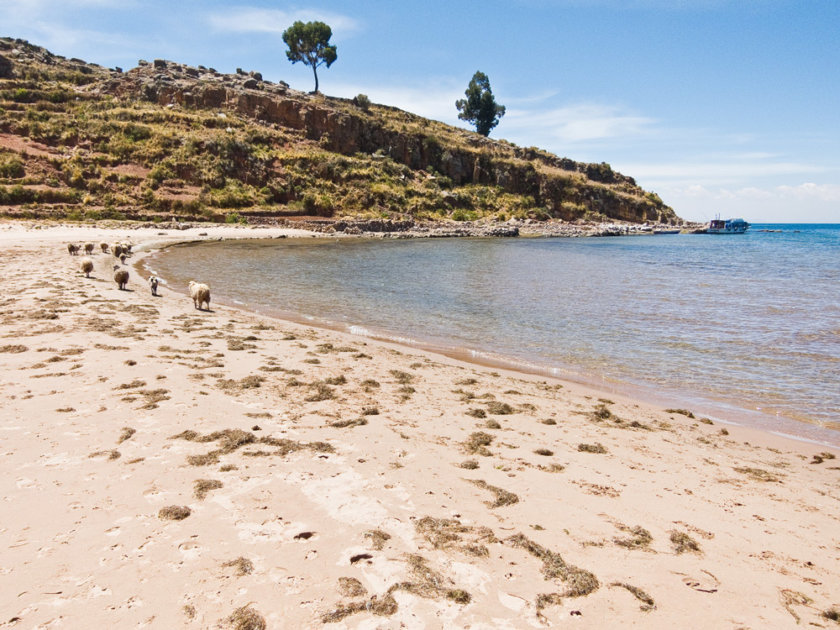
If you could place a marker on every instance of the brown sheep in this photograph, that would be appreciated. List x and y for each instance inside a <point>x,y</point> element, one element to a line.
<point>73,249</point>
<point>200,293</point>
<point>118,250</point>
<point>104,247</point>
<point>121,278</point>
<point>88,248</point>
<point>87,266</point>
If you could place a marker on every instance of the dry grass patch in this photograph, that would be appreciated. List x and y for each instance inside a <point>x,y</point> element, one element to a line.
<point>647,601</point>
<point>230,385</point>
<point>349,424</point>
<point>132,385</point>
<point>321,392</point>
<point>758,474</point>
<point>174,513</point>
<point>640,537</point>
<point>242,565</point>
<point>499,408</point>
<point>246,618</point>
<point>682,542</point>
<point>126,434</point>
<point>403,378</point>
<point>503,497</point>
<point>153,397</point>
<point>378,538</point>
<point>544,452</point>
<point>592,448</point>
<point>468,464</point>
<point>350,587</point>
<point>478,442</point>
<point>111,455</point>
<point>202,486</point>
<point>682,412</point>
<point>13,348</point>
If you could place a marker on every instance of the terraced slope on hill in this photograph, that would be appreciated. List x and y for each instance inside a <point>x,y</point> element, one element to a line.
<point>165,140</point>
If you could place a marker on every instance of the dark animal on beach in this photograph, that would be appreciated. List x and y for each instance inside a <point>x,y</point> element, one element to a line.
<point>122,258</point>
<point>118,250</point>
<point>88,248</point>
<point>73,249</point>
<point>104,247</point>
<point>87,266</point>
<point>200,293</point>
<point>153,283</point>
<point>121,278</point>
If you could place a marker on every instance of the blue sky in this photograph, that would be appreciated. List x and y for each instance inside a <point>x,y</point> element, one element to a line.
<point>720,106</point>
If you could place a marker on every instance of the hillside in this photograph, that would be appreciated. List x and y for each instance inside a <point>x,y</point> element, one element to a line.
<point>165,140</point>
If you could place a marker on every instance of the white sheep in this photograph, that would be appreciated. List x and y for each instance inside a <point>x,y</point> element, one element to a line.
<point>87,266</point>
<point>200,293</point>
<point>121,278</point>
<point>153,283</point>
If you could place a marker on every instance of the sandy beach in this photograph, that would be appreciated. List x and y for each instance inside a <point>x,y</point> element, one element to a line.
<point>166,467</point>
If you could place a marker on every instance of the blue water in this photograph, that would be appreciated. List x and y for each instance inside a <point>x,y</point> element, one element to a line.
<point>733,324</point>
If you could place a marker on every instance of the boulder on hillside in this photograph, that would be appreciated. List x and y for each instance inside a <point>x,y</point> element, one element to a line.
<point>5,68</point>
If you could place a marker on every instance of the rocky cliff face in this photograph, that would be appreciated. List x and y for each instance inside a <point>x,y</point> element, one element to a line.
<point>568,189</point>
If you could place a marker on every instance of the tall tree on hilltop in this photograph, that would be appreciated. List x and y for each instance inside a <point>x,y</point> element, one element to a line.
<point>480,108</point>
<point>310,43</point>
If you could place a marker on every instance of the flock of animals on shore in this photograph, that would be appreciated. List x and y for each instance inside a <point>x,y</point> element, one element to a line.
<point>199,291</point>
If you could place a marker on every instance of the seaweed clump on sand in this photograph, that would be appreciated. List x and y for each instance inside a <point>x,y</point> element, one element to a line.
<point>246,618</point>
<point>478,442</point>
<point>424,582</point>
<point>230,440</point>
<point>579,582</point>
<point>647,601</point>
<point>503,497</point>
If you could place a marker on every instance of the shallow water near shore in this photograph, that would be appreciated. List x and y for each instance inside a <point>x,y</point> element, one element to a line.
<point>743,326</point>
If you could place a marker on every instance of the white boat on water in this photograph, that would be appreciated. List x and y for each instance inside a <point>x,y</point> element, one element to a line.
<point>728,226</point>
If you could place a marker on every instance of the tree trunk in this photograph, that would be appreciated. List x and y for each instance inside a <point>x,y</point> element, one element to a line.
<point>315,72</point>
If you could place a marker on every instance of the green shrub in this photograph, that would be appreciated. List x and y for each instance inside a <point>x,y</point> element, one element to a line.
<point>362,102</point>
<point>12,168</point>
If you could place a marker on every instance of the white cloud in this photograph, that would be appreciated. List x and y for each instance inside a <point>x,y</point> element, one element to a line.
<point>807,201</point>
<point>255,20</point>
<point>717,171</point>
<point>434,99</point>
<point>577,123</point>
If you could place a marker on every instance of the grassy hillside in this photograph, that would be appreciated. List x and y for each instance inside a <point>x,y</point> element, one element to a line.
<point>165,140</point>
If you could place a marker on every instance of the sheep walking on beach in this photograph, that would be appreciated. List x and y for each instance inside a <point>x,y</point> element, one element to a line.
<point>121,278</point>
<point>122,258</point>
<point>89,248</point>
<point>153,283</point>
<point>73,249</point>
<point>200,293</point>
<point>87,266</point>
<point>104,247</point>
<point>117,249</point>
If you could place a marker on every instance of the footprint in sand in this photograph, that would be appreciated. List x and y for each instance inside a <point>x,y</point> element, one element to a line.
<point>190,550</point>
<point>113,531</point>
<point>704,584</point>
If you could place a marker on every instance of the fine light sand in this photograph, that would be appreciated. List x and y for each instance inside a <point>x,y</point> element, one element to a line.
<point>335,481</point>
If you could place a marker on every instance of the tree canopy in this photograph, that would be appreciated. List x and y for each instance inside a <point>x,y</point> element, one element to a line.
<point>309,42</point>
<point>480,107</point>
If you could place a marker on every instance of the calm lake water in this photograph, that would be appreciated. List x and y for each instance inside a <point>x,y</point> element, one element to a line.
<point>738,326</point>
